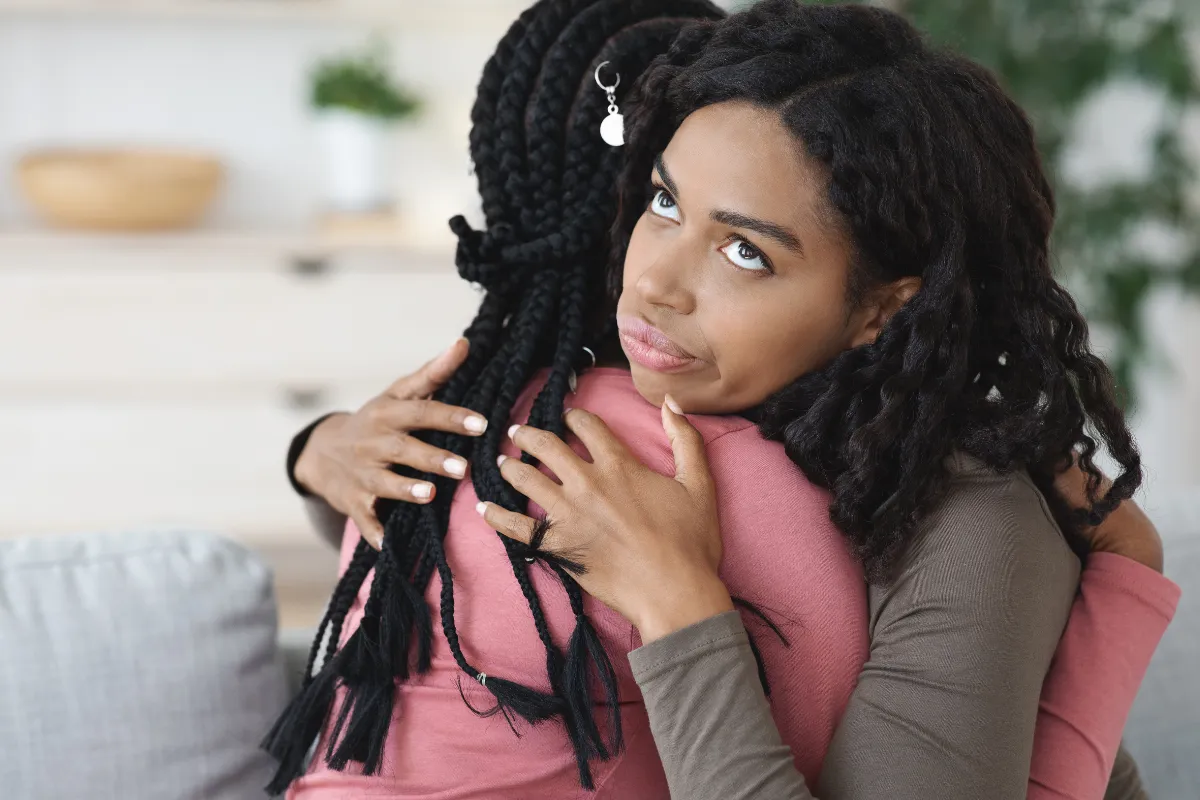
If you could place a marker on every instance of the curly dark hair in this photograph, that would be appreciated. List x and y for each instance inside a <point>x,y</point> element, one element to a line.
<point>933,172</point>
<point>547,183</point>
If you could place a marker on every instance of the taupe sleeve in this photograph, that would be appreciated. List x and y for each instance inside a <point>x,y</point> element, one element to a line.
<point>710,718</point>
<point>1125,782</point>
<point>713,726</point>
<point>947,703</point>
<point>961,641</point>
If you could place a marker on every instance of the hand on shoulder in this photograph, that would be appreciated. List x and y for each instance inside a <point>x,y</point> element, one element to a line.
<point>1127,531</point>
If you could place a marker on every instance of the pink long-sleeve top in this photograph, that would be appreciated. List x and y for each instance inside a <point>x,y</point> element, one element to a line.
<point>783,553</point>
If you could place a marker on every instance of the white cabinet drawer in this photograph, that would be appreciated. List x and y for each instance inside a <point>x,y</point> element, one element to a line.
<point>82,465</point>
<point>76,327</point>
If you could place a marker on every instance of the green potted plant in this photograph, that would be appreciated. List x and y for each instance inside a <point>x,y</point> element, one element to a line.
<point>357,104</point>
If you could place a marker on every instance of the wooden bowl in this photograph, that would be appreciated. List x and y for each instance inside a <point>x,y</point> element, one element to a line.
<point>120,190</point>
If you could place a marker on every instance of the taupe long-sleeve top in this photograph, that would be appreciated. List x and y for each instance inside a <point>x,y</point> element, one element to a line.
<point>945,706</point>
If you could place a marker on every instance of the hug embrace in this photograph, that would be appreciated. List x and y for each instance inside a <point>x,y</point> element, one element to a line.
<point>766,468</point>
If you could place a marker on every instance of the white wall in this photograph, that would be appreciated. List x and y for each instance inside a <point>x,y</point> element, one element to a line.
<point>236,88</point>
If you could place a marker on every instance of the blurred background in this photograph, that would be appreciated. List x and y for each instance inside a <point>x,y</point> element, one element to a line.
<point>220,218</point>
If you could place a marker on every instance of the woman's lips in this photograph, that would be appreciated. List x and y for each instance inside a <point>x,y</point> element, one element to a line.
<point>650,347</point>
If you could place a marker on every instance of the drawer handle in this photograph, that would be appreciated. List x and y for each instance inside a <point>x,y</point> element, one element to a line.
<point>310,266</point>
<point>303,399</point>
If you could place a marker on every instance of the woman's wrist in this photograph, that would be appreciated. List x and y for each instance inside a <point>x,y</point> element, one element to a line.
<point>691,600</point>
<point>1129,533</point>
<point>301,461</point>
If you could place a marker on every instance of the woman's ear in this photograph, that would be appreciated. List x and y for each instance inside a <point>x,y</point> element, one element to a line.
<point>883,303</point>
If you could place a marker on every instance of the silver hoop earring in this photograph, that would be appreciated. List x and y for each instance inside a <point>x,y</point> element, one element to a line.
<point>572,378</point>
<point>612,129</point>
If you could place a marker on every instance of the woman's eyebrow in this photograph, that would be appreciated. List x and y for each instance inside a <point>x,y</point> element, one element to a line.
<point>665,176</point>
<point>772,231</point>
<point>778,233</point>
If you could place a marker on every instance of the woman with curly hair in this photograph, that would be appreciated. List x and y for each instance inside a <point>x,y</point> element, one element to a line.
<point>831,249</point>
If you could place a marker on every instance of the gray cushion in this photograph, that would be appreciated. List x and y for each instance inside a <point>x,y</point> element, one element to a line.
<point>1163,732</point>
<point>135,666</point>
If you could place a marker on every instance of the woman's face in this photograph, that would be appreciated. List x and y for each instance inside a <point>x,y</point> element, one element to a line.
<point>736,275</point>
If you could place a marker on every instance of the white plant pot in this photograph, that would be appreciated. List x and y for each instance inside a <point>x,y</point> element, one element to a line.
<point>358,161</point>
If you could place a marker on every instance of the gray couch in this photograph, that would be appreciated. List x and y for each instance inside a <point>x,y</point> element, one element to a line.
<point>148,666</point>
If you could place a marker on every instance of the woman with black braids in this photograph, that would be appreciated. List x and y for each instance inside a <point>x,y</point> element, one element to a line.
<point>846,242</point>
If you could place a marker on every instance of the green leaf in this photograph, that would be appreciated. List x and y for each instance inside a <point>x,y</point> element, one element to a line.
<point>1163,60</point>
<point>361,83</point>
<point>1052,55</point>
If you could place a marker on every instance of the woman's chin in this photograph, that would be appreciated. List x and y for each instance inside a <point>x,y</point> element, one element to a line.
<point>686,390</point>
<point>652,386</point>
<point>696,393</point>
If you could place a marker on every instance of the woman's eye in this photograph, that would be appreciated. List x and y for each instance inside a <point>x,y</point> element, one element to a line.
<point>745,256</point>
<point>663,205</point>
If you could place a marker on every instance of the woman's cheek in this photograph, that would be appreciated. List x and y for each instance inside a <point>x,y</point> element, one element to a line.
<point>638,254</point>
<point>776,361</point>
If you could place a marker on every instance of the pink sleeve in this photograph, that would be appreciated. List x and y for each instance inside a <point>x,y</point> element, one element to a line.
<point>1117,621</point>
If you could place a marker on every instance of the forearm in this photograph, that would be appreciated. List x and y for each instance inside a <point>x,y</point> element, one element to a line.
<point>1117,621</point>
<point>325,519</point>
<point>915,739</point>
<point>961,640</point>
<point>716,737</point>
<point>710,719</point>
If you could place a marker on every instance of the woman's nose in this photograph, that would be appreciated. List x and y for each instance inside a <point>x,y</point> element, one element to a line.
<point>665,283</point>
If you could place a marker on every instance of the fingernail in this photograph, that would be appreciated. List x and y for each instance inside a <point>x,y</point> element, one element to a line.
<point>455,466</point>
<point>500,460</point>
<point>475,424</point>
<point>566,411</point>
<point>481,508</point>
<point>513,431</point>
<point>671,404</point>
<point>422,490</point>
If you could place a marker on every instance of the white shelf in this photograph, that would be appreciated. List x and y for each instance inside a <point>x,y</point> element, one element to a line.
<point>457,13</point>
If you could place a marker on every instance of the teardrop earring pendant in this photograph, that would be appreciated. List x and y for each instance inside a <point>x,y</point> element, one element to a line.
<point>612,129</point>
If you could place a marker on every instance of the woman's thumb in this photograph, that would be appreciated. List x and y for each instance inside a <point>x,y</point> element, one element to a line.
<point>429,378</point>
<point>691,461</point>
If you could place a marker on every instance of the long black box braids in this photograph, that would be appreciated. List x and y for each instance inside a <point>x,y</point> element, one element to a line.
<point>549,189</point>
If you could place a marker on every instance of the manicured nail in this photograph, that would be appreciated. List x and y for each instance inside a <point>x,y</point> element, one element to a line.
<point>500,460</point>
<point>422,490</point>
<point>475,424</point>
<point>513,431</point>
<point>671,404</point>
<point>481,508</point>
<point>455,466</point>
